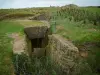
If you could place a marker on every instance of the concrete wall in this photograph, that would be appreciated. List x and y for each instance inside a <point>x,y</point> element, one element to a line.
<point>29,47</point>
<point>62,52</point>
<point>38,52</point>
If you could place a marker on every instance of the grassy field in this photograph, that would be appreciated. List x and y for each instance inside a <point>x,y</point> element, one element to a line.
<point>6,54</point>
<point>86,36</point>
<point>30,23</point>
<point>25,12</point>
<point>7,27</point>
<point>93,9</point>
<point>77,31</point>
<point>81,27</point>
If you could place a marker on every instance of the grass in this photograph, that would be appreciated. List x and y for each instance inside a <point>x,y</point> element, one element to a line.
<point>87,38</point>
<point>34,66</point>
<point>92,9</point>
<point>93,58</point>
<point>7,27</point>
<point>6,54</point>
<point>77,31</point>
<point>30,23</point>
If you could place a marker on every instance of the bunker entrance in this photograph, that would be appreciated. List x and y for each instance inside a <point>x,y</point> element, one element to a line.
<point>37,43</point>
<point>37,40</point>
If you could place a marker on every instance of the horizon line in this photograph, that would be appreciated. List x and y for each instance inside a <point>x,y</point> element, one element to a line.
<point>51,6</point>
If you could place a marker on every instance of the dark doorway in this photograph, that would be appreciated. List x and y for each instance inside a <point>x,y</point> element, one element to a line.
<point>36,43</point>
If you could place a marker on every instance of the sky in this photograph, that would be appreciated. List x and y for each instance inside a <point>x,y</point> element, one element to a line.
<point>45,3</point>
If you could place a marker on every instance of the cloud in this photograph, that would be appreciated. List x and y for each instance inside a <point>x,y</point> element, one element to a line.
<point>44,3</point>
<point>87,2</point>
<point>5,3</point>
<point>38,3</point>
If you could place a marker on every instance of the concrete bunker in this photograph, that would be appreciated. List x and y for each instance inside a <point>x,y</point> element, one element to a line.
<point>37,40</point>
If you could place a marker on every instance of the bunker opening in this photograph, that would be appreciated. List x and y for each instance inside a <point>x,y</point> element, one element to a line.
<point>37,40</point>
<point>37,43</point>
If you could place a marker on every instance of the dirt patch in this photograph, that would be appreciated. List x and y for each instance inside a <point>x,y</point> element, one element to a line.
<point>60,27</point>
<point>88,48</point>
<point>84,54</point>
<point>18,43</point>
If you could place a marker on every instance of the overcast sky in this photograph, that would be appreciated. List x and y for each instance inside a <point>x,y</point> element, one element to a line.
<point>45,3</point>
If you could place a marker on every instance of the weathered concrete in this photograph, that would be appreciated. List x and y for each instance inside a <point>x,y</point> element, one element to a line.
<point>36,32</point>
<point>39,52</point>
<point>62,52</point>
<point>37,40</point>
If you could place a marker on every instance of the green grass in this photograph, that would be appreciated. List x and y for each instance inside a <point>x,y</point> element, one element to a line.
<point>9,27</point>
<point>92,9</point>
<point>6,28</point>
<point>77,31</point>
<point>5,55</point>
<point>84,36</point>
<point>34,66</point>
<point>30,23</point>
<point>24,13</point>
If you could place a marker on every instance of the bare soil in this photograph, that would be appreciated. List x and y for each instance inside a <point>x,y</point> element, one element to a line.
<point>18,43</point>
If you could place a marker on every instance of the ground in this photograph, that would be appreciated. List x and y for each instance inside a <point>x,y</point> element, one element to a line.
<point>11,40</point>
<point>18,43</point>
<point>85,36</point>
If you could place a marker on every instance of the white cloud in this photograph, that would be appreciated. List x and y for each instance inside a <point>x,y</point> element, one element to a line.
<point>87,2</point>
<point>44,3</point>
<point>38,3</point>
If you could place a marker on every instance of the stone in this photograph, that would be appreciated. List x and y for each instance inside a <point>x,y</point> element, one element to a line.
<point>62,51</point>
<point>36,32</point>
<point>39,52</point>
